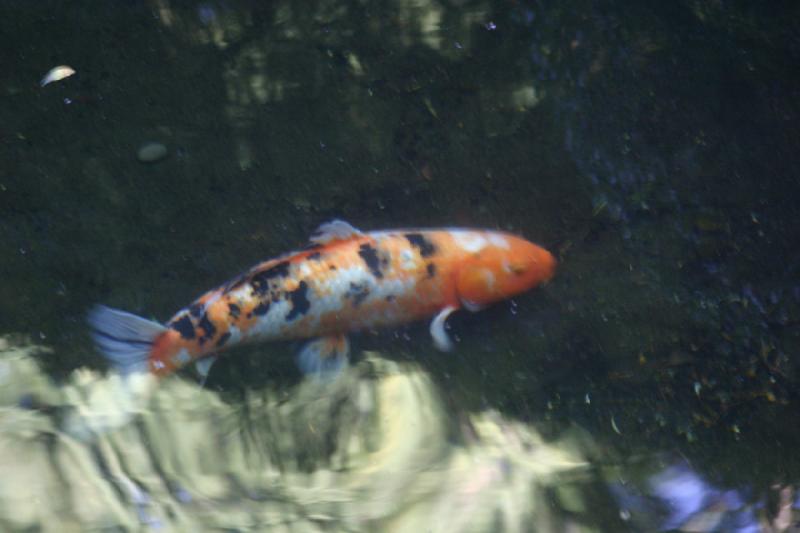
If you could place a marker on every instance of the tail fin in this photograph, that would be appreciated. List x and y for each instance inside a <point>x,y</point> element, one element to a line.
<point>124,338</point>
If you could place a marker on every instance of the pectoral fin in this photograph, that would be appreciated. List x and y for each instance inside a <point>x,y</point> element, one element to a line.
<point>440,337</point>
<point>203,367</point>
<point>324,357</point>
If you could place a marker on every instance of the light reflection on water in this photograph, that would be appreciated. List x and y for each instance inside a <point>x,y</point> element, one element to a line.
<point>374,449</point>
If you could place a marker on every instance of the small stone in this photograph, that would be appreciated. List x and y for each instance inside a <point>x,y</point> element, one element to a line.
<point>151,152</point>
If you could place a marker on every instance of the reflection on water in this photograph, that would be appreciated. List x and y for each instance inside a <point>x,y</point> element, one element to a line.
<point>375,449</point>
<point>676,498</point>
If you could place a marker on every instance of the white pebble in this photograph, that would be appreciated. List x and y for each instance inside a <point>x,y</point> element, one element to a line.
<point>151,152</point>
<point>57,74</point>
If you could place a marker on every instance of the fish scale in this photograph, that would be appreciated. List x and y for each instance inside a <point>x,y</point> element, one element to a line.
<point>346,281</point>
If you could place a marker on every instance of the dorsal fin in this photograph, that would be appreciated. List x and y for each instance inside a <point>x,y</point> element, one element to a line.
<point>335,230</point>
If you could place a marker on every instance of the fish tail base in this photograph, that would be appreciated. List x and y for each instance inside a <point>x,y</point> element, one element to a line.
<point>126,340</point>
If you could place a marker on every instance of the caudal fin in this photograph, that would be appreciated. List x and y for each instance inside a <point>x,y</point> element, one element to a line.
<point>124,338</point>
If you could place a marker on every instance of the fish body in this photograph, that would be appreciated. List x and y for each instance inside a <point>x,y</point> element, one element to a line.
<point>346,280</point>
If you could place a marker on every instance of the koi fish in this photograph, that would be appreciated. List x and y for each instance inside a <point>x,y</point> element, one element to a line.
<point>345,280</point>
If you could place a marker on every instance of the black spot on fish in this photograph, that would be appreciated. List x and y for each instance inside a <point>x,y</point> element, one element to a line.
<point>234,311</point>
<point>184,326</point>
<point>261,309</point>
<point>431,270</point>
<point>299,299</point>
<point>425,247</point>
<point>370,256</point>
<point>196,310</point>
<point>223,338</point>
<point>390,298</point>
<point>208,329</point>
<point>332,267</point>
<point>260,280</point>
<point>315,256</point>
<point>358,292</point>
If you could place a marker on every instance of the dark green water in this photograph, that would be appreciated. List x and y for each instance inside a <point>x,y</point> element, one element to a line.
<point>653,147</point>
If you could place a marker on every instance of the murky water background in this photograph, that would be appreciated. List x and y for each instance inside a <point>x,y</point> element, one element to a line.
<point>653,148</point>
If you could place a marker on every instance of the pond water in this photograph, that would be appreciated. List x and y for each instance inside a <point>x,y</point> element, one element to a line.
<point>151,150</point>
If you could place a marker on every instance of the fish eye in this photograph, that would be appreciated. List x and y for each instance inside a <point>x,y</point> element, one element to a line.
<point>518,268</point>
<point>515,268</point>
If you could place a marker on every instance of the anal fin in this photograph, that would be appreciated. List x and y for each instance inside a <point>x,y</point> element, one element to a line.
<point>324,357</point>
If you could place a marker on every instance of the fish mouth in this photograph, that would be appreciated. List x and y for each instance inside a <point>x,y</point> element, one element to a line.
<point>546,264</point>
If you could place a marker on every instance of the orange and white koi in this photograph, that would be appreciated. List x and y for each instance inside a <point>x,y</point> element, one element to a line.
<point>346,280</point>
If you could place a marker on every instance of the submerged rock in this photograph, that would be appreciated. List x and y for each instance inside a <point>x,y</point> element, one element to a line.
<point>151,152</point>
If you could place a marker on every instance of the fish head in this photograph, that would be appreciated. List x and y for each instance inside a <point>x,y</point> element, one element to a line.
<point>504,267</point>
